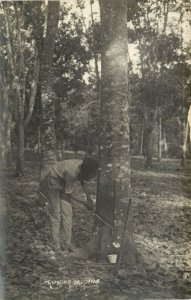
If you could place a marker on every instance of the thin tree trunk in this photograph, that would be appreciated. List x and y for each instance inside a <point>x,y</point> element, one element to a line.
<point>39,142</point>
<point>6,121</point>
<point>20,150</point>
<point>142,141</point>
<point>189,123</point>
<point>159,139</point>
<point>95,55</point>
<point>48,136</point>
<point>149,147</point>
<point>184,130</point>
<point>165,145</point>
<point>8,150</point>
<point>149,121</point>
<point>185,143</point>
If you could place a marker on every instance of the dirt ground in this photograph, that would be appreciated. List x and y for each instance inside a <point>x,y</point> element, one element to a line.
<point>162,232</point>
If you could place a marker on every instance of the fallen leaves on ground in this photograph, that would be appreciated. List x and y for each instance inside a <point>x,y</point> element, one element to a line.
<point>162,232</point>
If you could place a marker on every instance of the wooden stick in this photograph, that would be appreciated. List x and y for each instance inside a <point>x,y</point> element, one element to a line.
<point>73,198</point>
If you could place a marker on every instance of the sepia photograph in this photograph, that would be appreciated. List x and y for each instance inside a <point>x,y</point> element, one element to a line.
<point>95,150</point>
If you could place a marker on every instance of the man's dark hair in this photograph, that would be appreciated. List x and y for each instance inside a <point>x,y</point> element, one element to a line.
<point>89,168</point>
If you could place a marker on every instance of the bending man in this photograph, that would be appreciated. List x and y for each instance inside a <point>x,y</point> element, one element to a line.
<point>56,187</point>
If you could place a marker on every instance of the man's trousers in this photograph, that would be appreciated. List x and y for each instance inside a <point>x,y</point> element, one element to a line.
<point>60,212</point>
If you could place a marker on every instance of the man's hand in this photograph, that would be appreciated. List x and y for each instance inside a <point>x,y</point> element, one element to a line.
<point>89,198</point>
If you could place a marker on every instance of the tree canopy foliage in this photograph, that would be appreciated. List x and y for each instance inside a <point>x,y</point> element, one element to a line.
<point>159,70</point>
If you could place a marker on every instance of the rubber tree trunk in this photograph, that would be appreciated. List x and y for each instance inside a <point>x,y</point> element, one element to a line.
<point>184,137</point>
<point>159,139</point>
<point>142,141</point>
<point>149,148</point>
<point>6,124</point>
<point>150,121</point>
<point>48,136</point>
<point>185,144</point>
<point>114,185</point>
<point>165,145</point>
<point>189,122</point>
<point>20,150</point>
<point>8,150</point>
<point>95,55</point>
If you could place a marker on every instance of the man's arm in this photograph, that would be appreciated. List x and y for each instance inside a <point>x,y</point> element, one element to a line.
<point>87,193</point>
<point>85,203</point>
